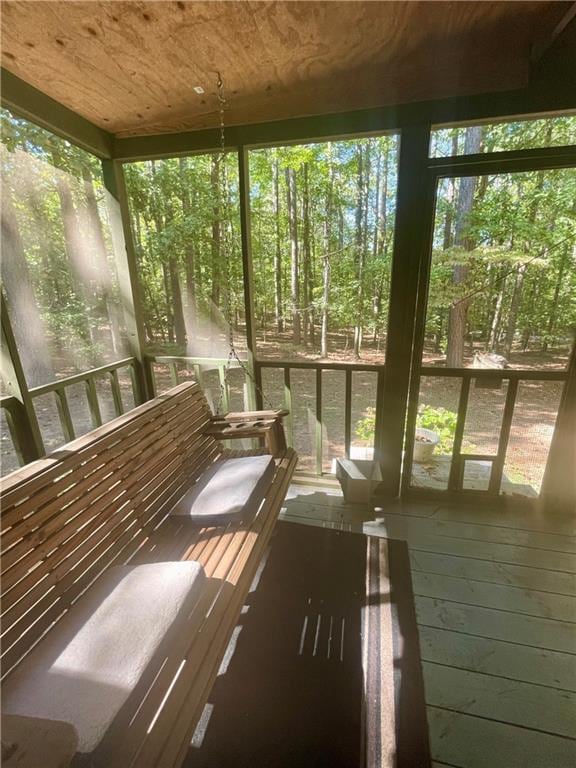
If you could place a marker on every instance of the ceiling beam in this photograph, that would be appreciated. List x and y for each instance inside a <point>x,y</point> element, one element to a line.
<point>491,106</point>
<point>28,102</point>
<point>25,101</point>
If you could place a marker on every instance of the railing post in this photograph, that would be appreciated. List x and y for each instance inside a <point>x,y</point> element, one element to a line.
<point>318,430</point>
<point>125,253</point>
<point>456,467</point>
<point>24,421</point>
<point>348,414</point>
<point>246,242</point>
<point>411,243</point>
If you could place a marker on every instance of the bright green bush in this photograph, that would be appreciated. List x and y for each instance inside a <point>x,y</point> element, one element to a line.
<point>439,420</point>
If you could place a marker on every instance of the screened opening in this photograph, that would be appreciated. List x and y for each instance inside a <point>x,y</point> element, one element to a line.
<point>322,226</point>
<point>504,136</point>
<point>58,267</point>
<point>185,223</point>
<point>502,288</point>
<point>60,282</point>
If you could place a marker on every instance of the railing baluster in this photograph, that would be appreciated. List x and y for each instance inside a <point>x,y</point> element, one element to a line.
<point>225,390</point>
<point>288,406</point>
<point>456,467</point>
<point>93,403</point>
<point>173,374</point>
<point>498,463</point>
<point>64,413</point>
<point>116,394</point>
<point>198,375</point>
<point>348,414</point>
<point>318,436</point>
<point>135,384</point>
<point>13,430</point>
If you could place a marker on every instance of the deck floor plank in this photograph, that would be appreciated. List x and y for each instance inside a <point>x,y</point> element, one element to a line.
<point>495,597</point>
<point>525,577</point>
<point>498,596</point>
<point>501,659</point>
<point>496,698</point>
<point>474,742</point>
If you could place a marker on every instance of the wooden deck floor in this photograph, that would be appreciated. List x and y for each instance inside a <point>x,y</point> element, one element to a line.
<point>495,599</point>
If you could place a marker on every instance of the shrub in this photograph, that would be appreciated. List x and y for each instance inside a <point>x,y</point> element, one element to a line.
<point>439,420</point>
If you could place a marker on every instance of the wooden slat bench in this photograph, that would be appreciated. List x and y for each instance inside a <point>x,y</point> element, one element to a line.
<point>102,501</point>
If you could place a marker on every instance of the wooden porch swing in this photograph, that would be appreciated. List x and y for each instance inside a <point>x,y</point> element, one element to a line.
<point>88,543</point>
<point>146,530</point>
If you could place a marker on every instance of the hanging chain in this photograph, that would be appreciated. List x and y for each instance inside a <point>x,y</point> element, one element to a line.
<point>232,354</point>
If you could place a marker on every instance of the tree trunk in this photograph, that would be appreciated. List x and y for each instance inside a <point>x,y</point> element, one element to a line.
<point>25,316</point>
<point>552,318</point>
<point>294,255</point>
<point>278,298</point>
<point>496,322</point>
<point>81,271</point>
<point>514,307</point>
<point>307,315</point>
<point>326,260</point>
<point>189,250</point>
<point>216,234</point>
<point>459,310</point>
<point>177,308</point>
<point>360,256</point>
<point>103,266</point>
<point>381,249</point>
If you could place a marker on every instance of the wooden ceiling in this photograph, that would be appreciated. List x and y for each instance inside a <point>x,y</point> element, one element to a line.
<point>130,67</point>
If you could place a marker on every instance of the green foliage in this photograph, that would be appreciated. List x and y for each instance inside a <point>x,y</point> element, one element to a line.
<point>439,420</point>
<point>366,427</point>
<point>59,272</point>
<point>442,422</point>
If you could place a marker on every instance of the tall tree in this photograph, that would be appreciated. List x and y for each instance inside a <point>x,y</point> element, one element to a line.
<point>294,253</point>
<point>360,252</point>
<point>278,293</point>
<point>462,239</point>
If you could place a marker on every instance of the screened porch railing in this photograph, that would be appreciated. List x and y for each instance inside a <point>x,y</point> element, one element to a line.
<point>466,376</point>
<point>198,366</point>
<point>458,457</point>
<point>11,406</point>
<point>174,367</point>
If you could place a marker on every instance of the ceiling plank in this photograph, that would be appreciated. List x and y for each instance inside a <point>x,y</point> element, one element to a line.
<point>130,67</point>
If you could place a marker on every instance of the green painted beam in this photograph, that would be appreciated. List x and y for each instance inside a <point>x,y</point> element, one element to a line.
<point>125,256</point>
<point>412,232</point>
<point>491,106</point>
<point>26,101</point>
<point>29,443</point>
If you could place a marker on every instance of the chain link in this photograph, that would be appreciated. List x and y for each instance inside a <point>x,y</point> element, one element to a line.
<point>232,354</point>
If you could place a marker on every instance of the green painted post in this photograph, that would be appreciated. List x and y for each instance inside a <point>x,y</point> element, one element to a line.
<point>116,394</point>
<point>318,430</point>
<point>288,406</point>
<point>23,415</point>
<point>124,251</point>
<point>173,374</point>
<point>411,242</point>
<point>348,414</point>
<point>93,403</point>
<point>65,415</point>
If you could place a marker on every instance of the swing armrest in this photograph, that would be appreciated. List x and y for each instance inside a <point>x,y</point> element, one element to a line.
<point>236,416</point>
<point>265,425</point>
